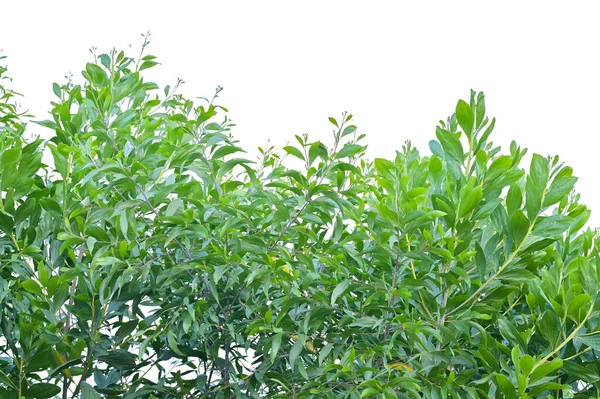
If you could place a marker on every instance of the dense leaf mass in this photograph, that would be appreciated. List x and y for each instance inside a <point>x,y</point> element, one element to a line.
<point>150,257</point>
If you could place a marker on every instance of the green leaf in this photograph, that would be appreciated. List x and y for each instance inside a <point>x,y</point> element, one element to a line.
<point>549,326</point>
<point>526,363</point>
<point>32,286</point>
<point>275,345</point>
<point>451,144</point>
<point>325,351</point>
<point>88,392</point>
<point>538,171</point>
<point>465,117</point>
<point>148,64</point>
<point>511,334</point>
<point>6,223</point>
<point>367,392</point>
<point>96,74</point>
<point>10,157</point>
<point>593,341</point>
<point>226,150</point>
<point>50,205</point>
<point>514,199</point>
<point>544,369</point>
<point>385,167</point>
<point>294,151</point>
<point>339,290</point>
<point>535,186</point>
<point>123,119</point>
<point>552,226</point>
<point>24,210</point>
<point>56,90</point>
<point>561,186</point>
<point>349,150</point>
<point>60,162</point>
<point>296,350</point>
<point>41,391</point>
<point>173,343</point>
<point>577,302</point>
<point>506,387</point>
<point>518,226</point>
<point>120,359</point>
<point>468,201</point>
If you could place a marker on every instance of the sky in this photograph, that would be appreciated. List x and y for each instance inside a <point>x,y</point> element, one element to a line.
<point>398,67</point>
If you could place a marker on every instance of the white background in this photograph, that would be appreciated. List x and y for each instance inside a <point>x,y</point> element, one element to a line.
<point>399,67</point>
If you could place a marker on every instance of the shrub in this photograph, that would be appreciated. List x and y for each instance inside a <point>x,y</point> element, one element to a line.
<point>151,259</point>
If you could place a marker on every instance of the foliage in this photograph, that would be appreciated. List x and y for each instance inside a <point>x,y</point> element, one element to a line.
<point>153,260</point>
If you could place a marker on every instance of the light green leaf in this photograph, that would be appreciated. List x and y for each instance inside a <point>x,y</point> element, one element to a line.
<point>465,117</point>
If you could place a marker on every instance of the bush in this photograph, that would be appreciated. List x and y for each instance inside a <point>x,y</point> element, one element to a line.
<point>152,260</point>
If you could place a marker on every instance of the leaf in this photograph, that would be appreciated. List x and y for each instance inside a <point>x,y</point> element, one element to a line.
<point>561,186</point>
<point>535,186</point>
<point>349,150</point>
<point>229,165</point>
<point>56,90</point>
<point>518,226</point>
<point>88,392</point>
<point>173,343</point>
<point>468,202</point>
<point>49,205</point>
<point>224,150</point>
<point>24,210</point>
<point>296,350</point>
<point>365,322</point>
<point>592,341</point>
<point>465,117</point>
<point>549,326</point>
<point>385,167</point>
<point>538,171</point>
<point>123,119</point>
<point>543,370</point>
<point>6,381</point>
<point>41,391</point>
<point>32,286</point>
<point>174,206</point>
<point>369,392</point>
<point>325,351</point>
<point>526,363</point>
<point>339,290</point>
<point>275,345</point>
<point>511,334</point>
<point>514,199</point>
<point>507,387</point>
<point>6,223</point>
<point>480,261</point>
<point>487,209</point>
<point>96,75</point>
<point>10,157</point>
<point>124,330</point>
<point>148,64</point>
<point>294,151</point>
<point>120,359</point>
<point>552,226</point>
<point>60,162</point>
<point>450,143</point>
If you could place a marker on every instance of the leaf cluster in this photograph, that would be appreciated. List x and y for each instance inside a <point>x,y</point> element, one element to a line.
<point>153,259</point>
